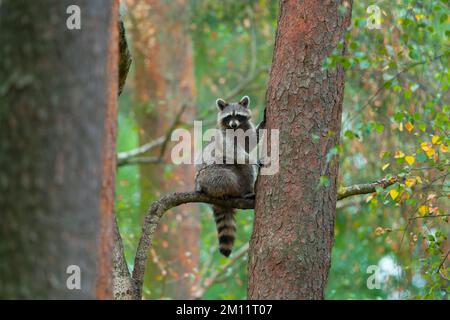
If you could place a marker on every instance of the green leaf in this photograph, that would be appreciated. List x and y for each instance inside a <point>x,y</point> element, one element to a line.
<point>398,117</point>
<point>349,134</point>
<point>379,127</point>
<point>421,157</point>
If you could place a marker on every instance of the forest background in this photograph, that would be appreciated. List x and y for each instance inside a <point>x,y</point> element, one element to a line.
<point>395,124</point>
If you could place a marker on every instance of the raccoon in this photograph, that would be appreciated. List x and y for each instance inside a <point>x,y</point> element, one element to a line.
<point>229,174</point>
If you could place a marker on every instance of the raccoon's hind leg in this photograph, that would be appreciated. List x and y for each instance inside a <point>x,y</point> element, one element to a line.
<point>218,182</point>
<point>226,228</point>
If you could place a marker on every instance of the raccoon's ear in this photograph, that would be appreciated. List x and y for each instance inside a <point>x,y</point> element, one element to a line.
<point>245,101</point>
<point>221,104</point>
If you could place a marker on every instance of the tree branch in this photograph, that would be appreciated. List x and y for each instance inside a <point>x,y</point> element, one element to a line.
<point>155,213</point>
<point>243,85</point>
<point>172,200</point>
<point>124,158</point>
<point>364,188</point>
<point>441,265</point>
<point>123,285</point>
<point>132,156</point>
<point>169,132</point>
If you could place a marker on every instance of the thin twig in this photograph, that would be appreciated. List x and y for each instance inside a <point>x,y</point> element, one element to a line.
<point>442,262</point>
<point>132,156</point>
<point>169,132</point>
<point>241,252</point>
<point>381,88</point>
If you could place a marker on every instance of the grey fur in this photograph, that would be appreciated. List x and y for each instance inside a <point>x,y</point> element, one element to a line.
<point>228,179</point>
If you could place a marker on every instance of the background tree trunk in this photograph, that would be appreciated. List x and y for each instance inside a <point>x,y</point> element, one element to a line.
<point>57,147</point>
<point>164,82</point>
<point>293,234</point>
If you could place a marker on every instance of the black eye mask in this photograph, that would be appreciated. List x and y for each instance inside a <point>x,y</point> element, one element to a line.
<point>238,117</point>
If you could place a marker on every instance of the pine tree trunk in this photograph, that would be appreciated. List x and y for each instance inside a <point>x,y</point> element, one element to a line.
<point>293,234</point>
<point>58,92</point>
<point>165,82</point>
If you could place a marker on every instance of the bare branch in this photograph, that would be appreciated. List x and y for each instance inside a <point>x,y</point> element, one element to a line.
<point>172,200</point>
<point>124,158</point>
<point>155,213</point>
<point>169,132</point>
<point>241,252</point>
<point>243,85</point>
<point>132,156</point>
<point>364,188</point>
<point>441,265</point>
<point>252,72</point>
<point>123,285</point>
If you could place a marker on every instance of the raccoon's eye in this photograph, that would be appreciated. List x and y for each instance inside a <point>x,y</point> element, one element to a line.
<point>241,118</point>
<point>227,119</point>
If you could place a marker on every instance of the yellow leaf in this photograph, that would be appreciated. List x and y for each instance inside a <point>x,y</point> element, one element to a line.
<point>401,126</point>
<point>409,126</point>
<point>430,152</point>
<point>379,231</point>
<point>394,194</point>
<point>444,148</point>
<point>423,210</point>
<point>436,140</point>
<point>425,146</point>
<point>410,159</point>
<point>399,154</point>
<point>419,179</point>
<point>370,197</point>
<point>385,166</point>
<point>410,182</point>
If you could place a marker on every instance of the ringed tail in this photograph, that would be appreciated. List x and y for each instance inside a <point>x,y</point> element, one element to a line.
<point>226,228</point>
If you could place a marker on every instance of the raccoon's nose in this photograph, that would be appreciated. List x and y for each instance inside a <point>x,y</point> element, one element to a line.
<point>234,124</point>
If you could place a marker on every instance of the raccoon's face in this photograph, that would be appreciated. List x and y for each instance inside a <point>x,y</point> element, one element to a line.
<point>234,115</point>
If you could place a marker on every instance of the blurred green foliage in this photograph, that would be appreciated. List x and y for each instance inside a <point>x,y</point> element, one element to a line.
<point>395,123</point>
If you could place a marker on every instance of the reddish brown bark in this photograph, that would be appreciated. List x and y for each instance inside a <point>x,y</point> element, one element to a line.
<point>164,81</point>
<point>105,238</point>
<point>293,233</point>
<point>55,99</point>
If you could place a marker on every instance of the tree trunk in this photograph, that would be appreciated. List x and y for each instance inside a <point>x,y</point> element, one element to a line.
<point>293,234</point>
<point>58,92</point>
<point>165,82</point>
